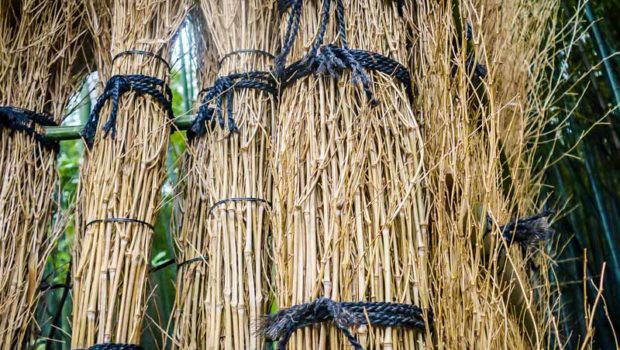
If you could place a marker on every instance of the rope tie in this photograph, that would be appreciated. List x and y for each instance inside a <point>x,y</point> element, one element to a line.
<point>238,199</point>
<point>122,220</point>
<point>529,230</point>
<point>171,262</point>
<point>281,325</point>
<point>224,87</point>
<point>23,120</point>
<point>472,67</point>
<point>244,51</point>
<point>115,346</point>
<point>330,59</point>
<point>118,85</point>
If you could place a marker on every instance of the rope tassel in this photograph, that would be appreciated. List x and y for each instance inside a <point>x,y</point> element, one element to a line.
<point>281,325</point>
<point>114,89</point>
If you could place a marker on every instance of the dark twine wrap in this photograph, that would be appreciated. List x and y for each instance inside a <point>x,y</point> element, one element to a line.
<point>529,230</point>
<point>23,120</point>
<point>472,67</point>
<point>281,325</point>
<point>115,346</point>
<point>329,59</point>
<point>225,87</point>
<point>121,84</point>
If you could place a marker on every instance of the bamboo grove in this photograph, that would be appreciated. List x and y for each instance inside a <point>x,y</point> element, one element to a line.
<point>367,174</point>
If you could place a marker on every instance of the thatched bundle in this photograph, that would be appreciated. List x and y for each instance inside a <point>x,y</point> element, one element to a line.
<point>123,171</point>
<point>350,212</point>
<point>38,52</point>
<point>482,127</point>
<point>228,187</point>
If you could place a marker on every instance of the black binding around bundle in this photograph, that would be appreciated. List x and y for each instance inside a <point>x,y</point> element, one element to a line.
<point>224,87</point>
<point>22,120</point>
<point>115,346</point>
<point>529,230</point>
<point>330,59</point>
<point>118,85</point>
<point>281,325</point>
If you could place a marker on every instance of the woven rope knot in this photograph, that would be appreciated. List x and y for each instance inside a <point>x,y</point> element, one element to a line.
<point>114,89</point>
<point>224,87</point>
<point>345,315</point>
<point>23,120</point>
<point>529,230</point>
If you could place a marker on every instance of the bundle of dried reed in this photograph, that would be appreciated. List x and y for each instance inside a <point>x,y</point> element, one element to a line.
<point>349,209</point>
<point>228,186</point>
<point>481,140</point>
<point>38,49</point>
<point>123,172</point>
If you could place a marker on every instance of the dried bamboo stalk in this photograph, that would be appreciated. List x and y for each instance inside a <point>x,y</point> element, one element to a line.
<point>481,140</point>
<point>350,217</point>
<point>37,54</point>
<point>218,304</point>
<point>122,176</point>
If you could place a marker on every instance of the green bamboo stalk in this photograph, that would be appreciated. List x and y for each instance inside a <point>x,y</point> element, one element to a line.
<point>62,133</point>
<point>603,51</point>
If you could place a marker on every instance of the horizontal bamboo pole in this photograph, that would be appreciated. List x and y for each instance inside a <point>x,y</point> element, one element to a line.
<point>62,133</point>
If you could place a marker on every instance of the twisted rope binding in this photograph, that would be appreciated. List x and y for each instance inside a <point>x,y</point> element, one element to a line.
<point>23,120</point>
<point>121,84</point>
<point>329,59</point>
<point>281,325</point>
<point>115,346</point>
<point>529,230</point>
<point>224,87</point>
<point>472,67</point>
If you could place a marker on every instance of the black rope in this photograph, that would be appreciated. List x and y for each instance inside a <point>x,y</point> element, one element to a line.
<point>224,87</point>
<point>472,67</point>
<point>125,220</point>
<point>171,262</point>
<point>529,230</point>
<point>114,346</point>
<point>243,51</point>
<point>143,53</point>
<point>23,120</point>
<point>281,325</point>
<point>121,84</point>
<point>238,199</point>
<point>332,60</point>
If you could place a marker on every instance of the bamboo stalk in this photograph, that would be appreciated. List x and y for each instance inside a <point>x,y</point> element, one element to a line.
<point>122,176</point>
<point>38,53</point>
<point>218,305</point>
<point>350,217</point>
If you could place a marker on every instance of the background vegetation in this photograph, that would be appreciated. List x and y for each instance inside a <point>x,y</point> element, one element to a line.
<point>584,181</point>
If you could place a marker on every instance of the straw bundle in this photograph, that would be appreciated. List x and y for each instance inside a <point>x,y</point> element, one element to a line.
<point>482,133</point>
<point>122,174</point>
<point>37,74</point>
<point>226,214</point>
<point>350,217</point>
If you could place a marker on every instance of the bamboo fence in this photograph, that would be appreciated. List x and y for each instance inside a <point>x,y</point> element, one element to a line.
<point>122,175</point>
<point>38,72</point>
<point>481,136</point>
<point>228,188</point>
<point>350,215</point>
